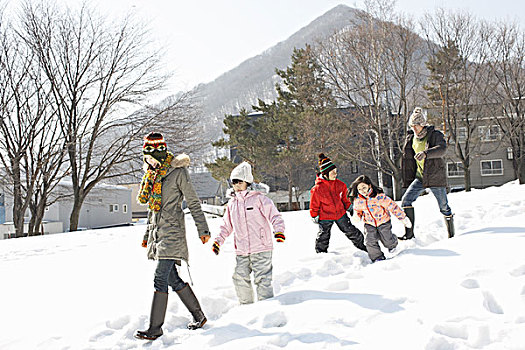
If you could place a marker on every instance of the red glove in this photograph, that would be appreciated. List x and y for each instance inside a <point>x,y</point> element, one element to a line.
<point>279,236</point>
<point>216,248</point>
<point>144,243</point>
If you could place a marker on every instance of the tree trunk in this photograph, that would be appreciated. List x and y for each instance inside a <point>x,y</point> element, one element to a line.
<point>397,185</point>
<point>290,194</point>
<point>75,215</point>
<point>521,173</point>
<point>467,179</point>
<point>18,209</point>
<point>31,231</point>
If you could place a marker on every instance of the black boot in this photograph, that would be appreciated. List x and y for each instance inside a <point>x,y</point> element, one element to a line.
<point>449,221</point>
<point>156,318</point>
<point>409,232</point>
<point>192,304</point>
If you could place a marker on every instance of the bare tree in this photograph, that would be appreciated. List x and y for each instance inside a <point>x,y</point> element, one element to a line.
<point>374,68</point>
<point>508,53</point>
<point>23,107</point>
<point>458,84</point>
<point>97,70</point>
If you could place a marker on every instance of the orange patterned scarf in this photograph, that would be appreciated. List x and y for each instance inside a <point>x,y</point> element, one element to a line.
<point>151,186</point>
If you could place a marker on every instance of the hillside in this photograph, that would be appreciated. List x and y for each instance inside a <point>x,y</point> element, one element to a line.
<point>255,78</point>
<point>92,289</point>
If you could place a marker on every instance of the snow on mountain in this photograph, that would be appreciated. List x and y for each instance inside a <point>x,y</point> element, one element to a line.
<point>93,289</point>
<point>255,78</point>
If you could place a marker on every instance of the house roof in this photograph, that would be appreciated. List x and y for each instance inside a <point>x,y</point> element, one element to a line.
<point>205,185</point>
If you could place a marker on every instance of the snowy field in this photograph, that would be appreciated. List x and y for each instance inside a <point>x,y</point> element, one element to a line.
<point>93,289</point>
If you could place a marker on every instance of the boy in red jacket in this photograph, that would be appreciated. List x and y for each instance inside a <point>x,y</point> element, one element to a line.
<point>328,204</point>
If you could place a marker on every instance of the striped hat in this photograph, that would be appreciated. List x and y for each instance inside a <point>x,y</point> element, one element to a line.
<point>155,146</point>
<point>325,165</point>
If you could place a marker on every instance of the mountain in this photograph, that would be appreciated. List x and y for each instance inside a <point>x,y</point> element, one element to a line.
<point>255,78</point>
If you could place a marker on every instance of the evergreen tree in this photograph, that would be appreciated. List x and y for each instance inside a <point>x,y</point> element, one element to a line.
<point>298,123</point>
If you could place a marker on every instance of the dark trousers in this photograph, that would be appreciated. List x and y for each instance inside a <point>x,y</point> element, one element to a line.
<point>344,224</point>
<point>381,233</point>
<point>166,275</point>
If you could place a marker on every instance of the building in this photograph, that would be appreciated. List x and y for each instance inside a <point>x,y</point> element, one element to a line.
<point>491,164</point>
<point>105,206</point>
<point>209,191</point>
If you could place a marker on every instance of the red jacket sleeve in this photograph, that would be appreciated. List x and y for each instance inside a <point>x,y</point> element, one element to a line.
<point>344,194</point>
<point>315,208</point>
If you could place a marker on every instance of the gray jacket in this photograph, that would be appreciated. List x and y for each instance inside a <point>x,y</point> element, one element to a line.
<point>166,233</point>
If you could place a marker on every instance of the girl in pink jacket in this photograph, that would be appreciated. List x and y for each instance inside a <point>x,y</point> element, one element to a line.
<point>250,216</point>
<point>374,207</point>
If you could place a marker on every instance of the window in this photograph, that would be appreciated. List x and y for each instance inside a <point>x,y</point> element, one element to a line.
<point>491,167</point>
<point>113,208</point>
<point>353,167</point>
<point>125,208</point>
<point>510,154</point>
<point>489,133</point>
<point>455,169</point>
<point>462,134</point>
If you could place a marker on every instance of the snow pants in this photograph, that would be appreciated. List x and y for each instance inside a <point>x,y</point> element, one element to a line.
<point>261,265</point>
<point>381,233</point>
<point>345,225</point>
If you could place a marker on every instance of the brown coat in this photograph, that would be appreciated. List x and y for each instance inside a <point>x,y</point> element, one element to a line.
<point>166,228</point>
<point>434,171</point>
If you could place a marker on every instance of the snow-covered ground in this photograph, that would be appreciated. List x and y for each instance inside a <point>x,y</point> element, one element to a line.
<point>93,289</point>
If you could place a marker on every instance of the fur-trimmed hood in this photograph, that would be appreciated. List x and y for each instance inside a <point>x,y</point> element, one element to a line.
<point>181,161</point>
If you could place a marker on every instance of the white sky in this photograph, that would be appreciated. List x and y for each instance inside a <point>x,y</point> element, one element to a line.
<point>205,38</point>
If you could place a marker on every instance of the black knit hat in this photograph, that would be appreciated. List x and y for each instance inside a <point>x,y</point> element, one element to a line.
<point>155,146</point>
<point>325,165</point>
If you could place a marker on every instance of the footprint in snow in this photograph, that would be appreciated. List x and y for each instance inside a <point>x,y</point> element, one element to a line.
<point>119,323</point>
<point>338,286</point>
<point>452,330</point>
<point>285,279</point>
<point>470,283</point>
<point>439,343</point>
<point>102,334</point>
<point>304,274</point>
<point>275,319</point>
<point>519,271</point>
<point>490,303</point>
<point>330,268</point>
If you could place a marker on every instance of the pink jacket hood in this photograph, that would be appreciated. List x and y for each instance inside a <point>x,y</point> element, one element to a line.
<point>252,218</point>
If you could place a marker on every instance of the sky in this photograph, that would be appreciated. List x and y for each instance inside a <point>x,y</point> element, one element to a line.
<point>93,289</point>
<point>205,38</point>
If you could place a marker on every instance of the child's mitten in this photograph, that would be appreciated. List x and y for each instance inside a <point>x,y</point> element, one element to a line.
<point>216,248</point>
<point>279,236</point>
<point>406,222</point>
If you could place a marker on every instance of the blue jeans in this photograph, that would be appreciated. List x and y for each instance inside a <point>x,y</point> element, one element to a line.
<point>166,275</point>
<point>416,188</point>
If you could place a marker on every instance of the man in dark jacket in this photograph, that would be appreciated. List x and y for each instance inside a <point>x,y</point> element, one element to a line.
<point>166,183</point>
<point>423,167</point>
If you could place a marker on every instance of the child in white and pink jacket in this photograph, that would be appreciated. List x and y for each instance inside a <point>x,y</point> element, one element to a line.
<point>250,216</point>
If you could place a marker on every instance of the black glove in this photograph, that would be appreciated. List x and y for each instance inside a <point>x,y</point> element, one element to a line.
<point>216,248</point>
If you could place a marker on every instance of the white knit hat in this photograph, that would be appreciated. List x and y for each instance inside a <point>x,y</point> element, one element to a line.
<point>242,172</point>
<point>417,117</point>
